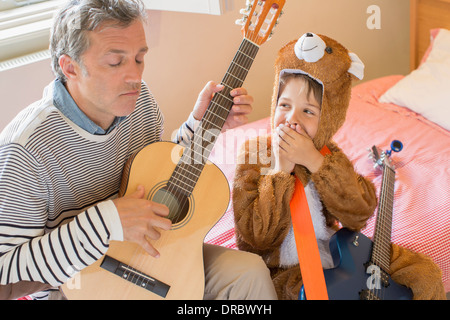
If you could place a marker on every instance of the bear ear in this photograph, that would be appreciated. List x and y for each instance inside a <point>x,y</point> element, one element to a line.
<point>357,66</point>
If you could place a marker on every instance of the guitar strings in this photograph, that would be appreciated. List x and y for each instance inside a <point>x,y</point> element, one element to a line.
<point>218,111</point>
<point>242,72</point>
<point>381,251</point>
<point>390,180</point>
<point>378,231</point>
<point>172,188</point>
<point>385,225</point>
<point>232,79</point>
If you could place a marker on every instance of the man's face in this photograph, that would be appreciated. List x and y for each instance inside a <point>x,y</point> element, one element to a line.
<point>108,83</point>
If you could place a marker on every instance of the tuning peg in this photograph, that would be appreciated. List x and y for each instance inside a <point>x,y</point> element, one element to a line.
<point>274,10</point>
<point>240,22</point>
<point>245,12</point>
<point>396,146</point>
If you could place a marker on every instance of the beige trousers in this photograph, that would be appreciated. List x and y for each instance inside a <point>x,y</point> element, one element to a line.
<point>236,275</point>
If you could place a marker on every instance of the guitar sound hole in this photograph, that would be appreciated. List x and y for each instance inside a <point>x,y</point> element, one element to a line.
<point>176,201</point>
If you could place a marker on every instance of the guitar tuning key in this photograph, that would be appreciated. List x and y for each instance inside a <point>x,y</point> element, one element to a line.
<point>274,9</point>
<point>396,146</point>
<point>245,12</point>
<point>240,22</point>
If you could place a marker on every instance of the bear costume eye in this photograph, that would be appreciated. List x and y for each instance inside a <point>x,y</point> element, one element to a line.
<point>329,50</point>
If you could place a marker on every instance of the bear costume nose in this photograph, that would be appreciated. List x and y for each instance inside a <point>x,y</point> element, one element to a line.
<point>310,47</point>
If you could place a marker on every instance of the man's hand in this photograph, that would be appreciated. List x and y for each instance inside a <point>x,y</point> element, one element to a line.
<point>141,219</point>
<point>241,108</point>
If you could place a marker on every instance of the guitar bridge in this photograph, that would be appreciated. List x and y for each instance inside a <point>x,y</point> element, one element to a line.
<point>368,295</point>
<point>135,276</point>
<point>381,276</point>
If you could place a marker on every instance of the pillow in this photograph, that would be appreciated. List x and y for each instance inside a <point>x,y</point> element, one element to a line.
<point>426,90</point>
<point>433,35</point>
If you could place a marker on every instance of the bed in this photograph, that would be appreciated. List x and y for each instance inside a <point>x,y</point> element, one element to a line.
<point>382,110</point>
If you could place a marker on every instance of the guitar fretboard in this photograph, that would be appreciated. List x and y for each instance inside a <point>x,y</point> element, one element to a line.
<point>188,170</point>
<point>381,252</point>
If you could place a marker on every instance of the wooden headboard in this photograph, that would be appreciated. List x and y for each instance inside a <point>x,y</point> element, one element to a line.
<point>426,15</point>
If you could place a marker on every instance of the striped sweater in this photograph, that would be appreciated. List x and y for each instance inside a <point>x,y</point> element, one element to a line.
<point>56,186</point>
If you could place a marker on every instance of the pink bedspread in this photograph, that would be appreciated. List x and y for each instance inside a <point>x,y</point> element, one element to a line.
<point>421,219</point>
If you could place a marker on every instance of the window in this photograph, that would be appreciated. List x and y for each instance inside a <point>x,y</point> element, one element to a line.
<point>25,24</point>
<point>11,4</point>
<point>194,6</point>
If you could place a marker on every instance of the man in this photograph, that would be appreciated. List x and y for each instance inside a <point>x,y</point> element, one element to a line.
<point>61,159</point>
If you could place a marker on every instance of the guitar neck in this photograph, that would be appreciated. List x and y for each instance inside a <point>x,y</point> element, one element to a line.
<point>188,170</point>
<point>220,106</point>
<point>381,252</point>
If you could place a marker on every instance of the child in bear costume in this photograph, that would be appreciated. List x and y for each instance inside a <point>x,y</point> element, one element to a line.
<point>337,195</point>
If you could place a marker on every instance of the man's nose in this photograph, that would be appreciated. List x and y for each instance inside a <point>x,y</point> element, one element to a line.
<point>134,73</point>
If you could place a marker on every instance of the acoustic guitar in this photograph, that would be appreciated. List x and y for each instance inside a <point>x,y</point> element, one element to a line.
<point>195,191</point>
<point>362,267</point>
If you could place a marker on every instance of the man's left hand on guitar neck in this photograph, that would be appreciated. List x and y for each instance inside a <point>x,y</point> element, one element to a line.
<point>242,106</point>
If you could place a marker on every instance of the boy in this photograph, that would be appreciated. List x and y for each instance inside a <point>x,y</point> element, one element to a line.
<point>311,97</point>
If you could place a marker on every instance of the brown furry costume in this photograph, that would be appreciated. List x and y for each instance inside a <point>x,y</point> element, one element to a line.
<point>261,197</point>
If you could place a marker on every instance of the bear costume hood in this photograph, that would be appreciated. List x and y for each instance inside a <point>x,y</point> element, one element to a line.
<point>329,63</point>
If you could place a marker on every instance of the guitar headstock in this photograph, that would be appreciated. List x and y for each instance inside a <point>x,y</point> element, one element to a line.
<point>381,158</point>
<point>260,18</point>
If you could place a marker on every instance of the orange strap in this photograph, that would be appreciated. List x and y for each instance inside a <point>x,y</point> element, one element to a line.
<point>306,242</point>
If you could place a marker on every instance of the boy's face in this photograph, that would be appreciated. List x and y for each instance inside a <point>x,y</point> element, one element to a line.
<point>296,110</point>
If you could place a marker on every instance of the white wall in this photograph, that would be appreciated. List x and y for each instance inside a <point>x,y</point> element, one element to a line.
<point>22,86</point>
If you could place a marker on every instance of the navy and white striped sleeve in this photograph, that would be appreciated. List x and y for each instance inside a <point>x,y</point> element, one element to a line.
<point>27,252</point>
<point>186,131</point>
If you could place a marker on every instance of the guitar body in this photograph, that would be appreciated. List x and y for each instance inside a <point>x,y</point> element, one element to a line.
<point>180,266</point>
<point>361,269</point>
<point>351,251</point>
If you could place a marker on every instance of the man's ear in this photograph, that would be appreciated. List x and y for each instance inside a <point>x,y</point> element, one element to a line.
<point>68,66</point>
